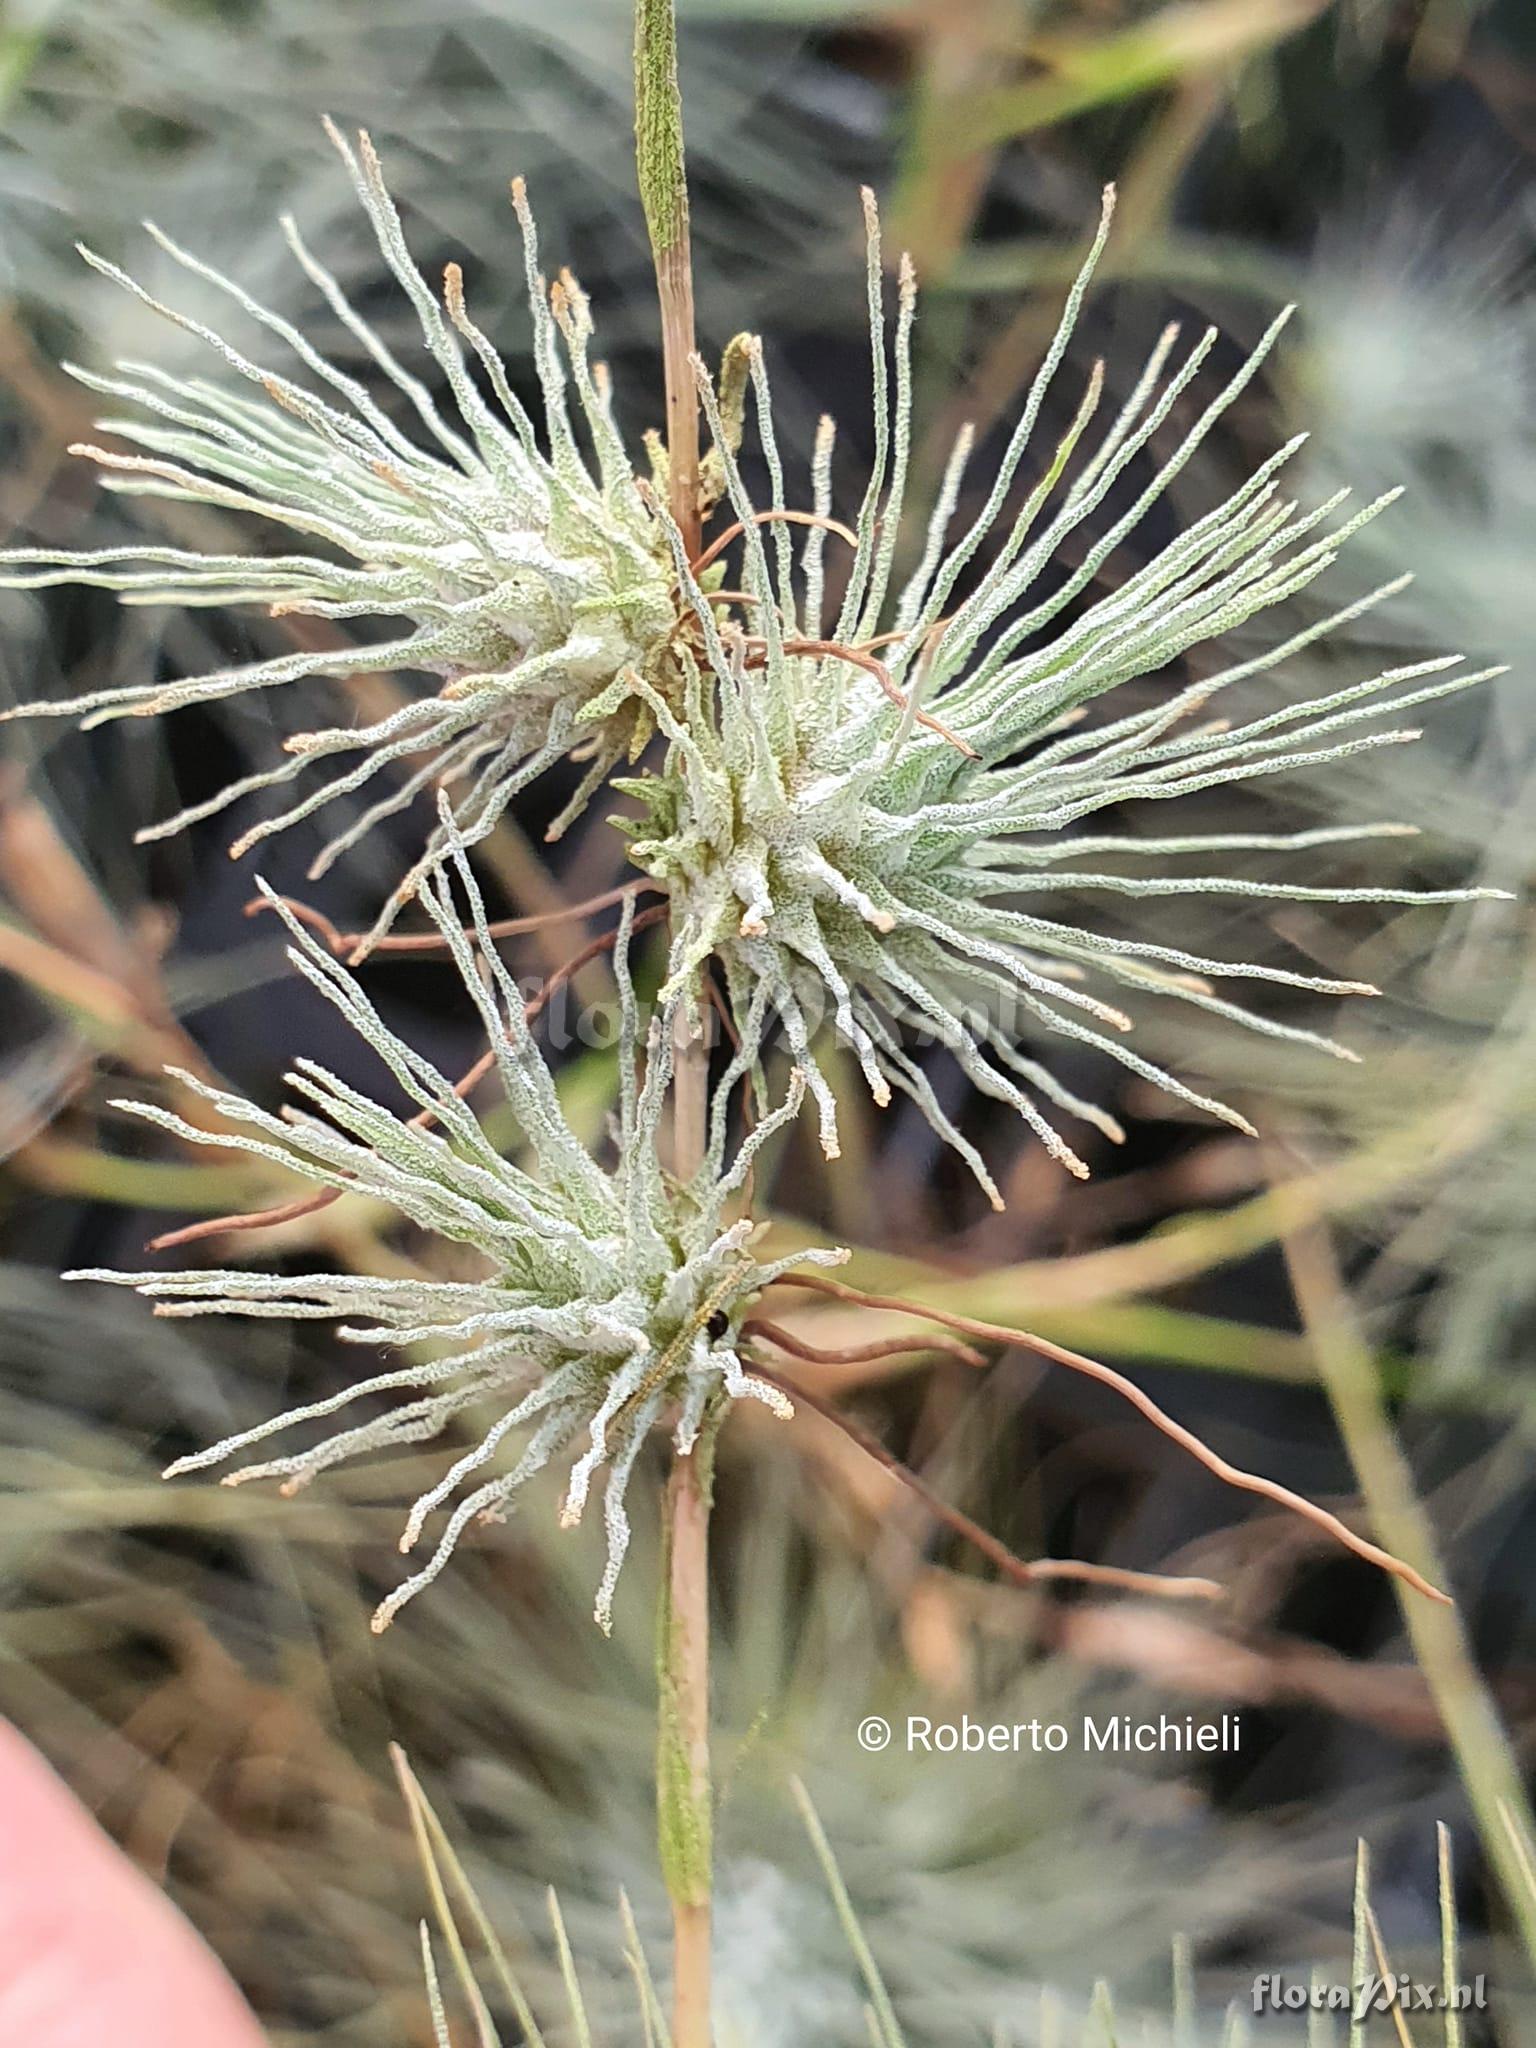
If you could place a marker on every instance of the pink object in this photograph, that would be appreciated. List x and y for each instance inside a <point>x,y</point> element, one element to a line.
<point>90,1952</point>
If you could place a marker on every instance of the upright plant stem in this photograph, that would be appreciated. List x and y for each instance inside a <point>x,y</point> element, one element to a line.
<point>664,194</point>
<point>684,1794</point>
<point>684,1800</point>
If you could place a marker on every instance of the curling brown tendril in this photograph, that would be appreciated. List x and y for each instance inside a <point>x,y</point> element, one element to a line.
<point>1233,1475</point>
<point>862,656</point>
<point>345,944</point>
<point>310,1205</point>
<point>1022,1572</point>
<point>723,540</point>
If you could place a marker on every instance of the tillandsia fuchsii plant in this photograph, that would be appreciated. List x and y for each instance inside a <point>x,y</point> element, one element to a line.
<point>852,808</point>
<point>528,568</point>
<point>612,1297</point>
<point>834,844</point>
<point>850,802</point>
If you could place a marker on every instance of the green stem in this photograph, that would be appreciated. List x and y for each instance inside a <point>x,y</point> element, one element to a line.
<point>684,1798</point>
<point>664,195</point>
<point>1487,1763</point>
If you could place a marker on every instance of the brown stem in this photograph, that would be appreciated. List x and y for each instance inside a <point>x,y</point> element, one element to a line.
<point>859,657</point>
<point>685,1800</point>
<point>698,563</point>
<point>674,288</point>
<point>1028,1573</point>
<point>903,633</point>
<point>1234,1475</point>
<point>859,1354</point>
<point>344,944</point>
<point>664,195</point>
<point>684,1797</point>
<point>311,1205</point>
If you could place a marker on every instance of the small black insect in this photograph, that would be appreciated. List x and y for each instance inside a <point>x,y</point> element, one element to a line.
<point>717,1325</point>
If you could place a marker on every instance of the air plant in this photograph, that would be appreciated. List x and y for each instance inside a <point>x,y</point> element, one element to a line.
<point>613,1296</point>
<point>834,842</point>
<point>527,569</point>
<point>850,805</point>
<point>893,816</point>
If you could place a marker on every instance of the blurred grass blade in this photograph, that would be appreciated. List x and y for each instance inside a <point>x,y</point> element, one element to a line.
<point>1520,1844</point>
<point>1385,1974</point>
<point>1050,2020</point>
<point>1090,72</point>
<point>568,1972</point>
<point>1484,1755</point>
<point>440,2033</point>
<point>656,2028</point>
<point>440,1855</point>
<point>416,1807</point>
<point>1360,1948</point>
<point>1450,1946</point>
<point>890,2034</point>
<point>1101,2031</point>
<point>20,49</point>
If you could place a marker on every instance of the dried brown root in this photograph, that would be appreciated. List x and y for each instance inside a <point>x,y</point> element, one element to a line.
<point>860,1354</point>
<point>309,1205</point>
<point>1023,1572</point>
<point>345,944</point>
<point>1233,1475</point>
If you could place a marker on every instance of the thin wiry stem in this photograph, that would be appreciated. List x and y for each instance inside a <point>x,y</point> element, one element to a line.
<point>1030,1573</point>
<point>346,945</point>
<point>1234,1475</point>
<point>860,657</point>
<point>311,1205</point>
<point>722,541</point>
<point>860,1354</point>
<point>684,1792</point>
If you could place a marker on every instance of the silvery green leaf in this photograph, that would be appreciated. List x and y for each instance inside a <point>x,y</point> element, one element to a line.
<point>515,565</point>
<point>881,818</point>
<point>608,1297</point>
